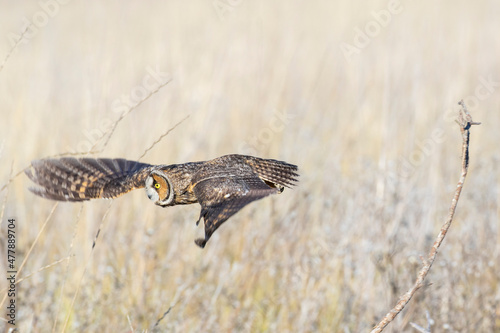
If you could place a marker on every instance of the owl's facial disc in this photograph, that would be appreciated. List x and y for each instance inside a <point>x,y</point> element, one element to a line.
<point>159,188</point>
<point>150,190</point>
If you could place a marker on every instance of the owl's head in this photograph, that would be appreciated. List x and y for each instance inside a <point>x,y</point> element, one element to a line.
<point>159,188</point>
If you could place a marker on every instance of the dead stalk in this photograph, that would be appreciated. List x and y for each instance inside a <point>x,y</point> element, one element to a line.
<point>465,122</point>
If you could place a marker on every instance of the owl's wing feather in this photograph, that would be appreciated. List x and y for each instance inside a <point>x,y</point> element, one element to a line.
<point>279,173</point>
<point>221,197</point>
<point>80,179</point>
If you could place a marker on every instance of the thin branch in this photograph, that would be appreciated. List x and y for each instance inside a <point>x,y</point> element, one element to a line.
<point>43,268</point>
<point>108,136</point>
<point>4,186</point>
<point>27,256</point>
<point>162,136</point>
<point>465,122</point>
<point>429,324</point>
<point>66,270</point>
<point>14,47</point>
<point>161,318</point>
<point>86,267</point>
<point>130,324</point>
<point>6,195</point>
<point>110,132</point>
<point>101,225</point>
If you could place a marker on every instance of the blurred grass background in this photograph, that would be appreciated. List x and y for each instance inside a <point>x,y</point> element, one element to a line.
<point>373,136</point>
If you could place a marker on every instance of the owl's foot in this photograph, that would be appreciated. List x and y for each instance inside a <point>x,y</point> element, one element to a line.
<point>202,214</point>
<point>201,242</point>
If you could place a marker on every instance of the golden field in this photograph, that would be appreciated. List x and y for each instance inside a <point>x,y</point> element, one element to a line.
<point>361,96</point>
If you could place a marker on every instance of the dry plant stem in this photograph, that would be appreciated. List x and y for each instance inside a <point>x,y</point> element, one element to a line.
<point>6,196</point>
<point>465,122</point>
<point>26,257</point>
<point>11,179</point>
<point>14,47</point>
<point>162,136</point>
<point>43,268</point>
<point>422,329</point>
<point>162,317</point>
<point>110,132</point>
<point>80,283</point>
<point>66,269</point>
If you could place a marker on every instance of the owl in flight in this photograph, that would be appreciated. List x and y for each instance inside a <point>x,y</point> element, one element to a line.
<point>221,186</point>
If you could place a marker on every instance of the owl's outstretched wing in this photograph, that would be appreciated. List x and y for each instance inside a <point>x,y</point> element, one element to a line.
<point>223,196</point>
<point>79,179</point>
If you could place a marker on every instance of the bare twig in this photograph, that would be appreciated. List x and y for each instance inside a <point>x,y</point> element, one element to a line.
<point>43,268</point>
<point>6,195</point>
<point>422,329</point>
<point>27,256</point>
<point>130,324</point>
<point>66,270</point>
<point>465,122</point>
<point>110,132</point>
<point>108,136</point>
<point>86,267</point>
<point>14,47</point>
<point>4,186</point>
<point>161,318</point>
<point>162,136</point>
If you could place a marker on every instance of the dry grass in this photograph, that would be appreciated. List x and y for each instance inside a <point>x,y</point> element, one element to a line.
<point>377,149</point>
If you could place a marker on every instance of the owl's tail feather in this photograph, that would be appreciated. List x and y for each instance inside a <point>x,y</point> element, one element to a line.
<point>80,179</point>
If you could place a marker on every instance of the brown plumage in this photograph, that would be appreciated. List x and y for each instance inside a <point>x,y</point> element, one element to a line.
<point>221,186</point>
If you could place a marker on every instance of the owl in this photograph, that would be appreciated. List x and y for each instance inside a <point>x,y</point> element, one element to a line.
<point>221,186</point>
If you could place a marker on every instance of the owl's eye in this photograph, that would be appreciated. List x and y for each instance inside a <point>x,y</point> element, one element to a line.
<point>157,185</point>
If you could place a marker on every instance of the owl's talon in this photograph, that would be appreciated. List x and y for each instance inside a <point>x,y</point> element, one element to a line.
<point>200,242</point>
